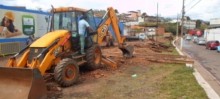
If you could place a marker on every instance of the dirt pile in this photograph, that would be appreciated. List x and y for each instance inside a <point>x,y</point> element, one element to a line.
<point>145,52</point>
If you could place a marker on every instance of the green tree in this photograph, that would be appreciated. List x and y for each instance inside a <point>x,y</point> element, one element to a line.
<point>188,18</point>
<point>170,27</point>
<point>143,15</point>
<point>148,24</point>
<point>203,26</point>
<point>198,23</point>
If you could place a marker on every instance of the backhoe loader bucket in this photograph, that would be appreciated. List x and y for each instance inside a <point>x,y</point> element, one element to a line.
<point>127,51</point>
<point>21,83</point>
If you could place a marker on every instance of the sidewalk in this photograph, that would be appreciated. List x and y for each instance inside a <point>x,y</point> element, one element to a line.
<point>207,81</point>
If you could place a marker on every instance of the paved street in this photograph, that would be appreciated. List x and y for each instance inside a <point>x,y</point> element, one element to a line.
<point>209,59</point>
<point>206,63</point>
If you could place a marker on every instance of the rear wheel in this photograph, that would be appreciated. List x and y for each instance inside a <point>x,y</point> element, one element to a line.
<point>93,57</point>
<point>66,72</point>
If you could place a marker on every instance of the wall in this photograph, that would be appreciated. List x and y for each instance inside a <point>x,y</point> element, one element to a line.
<point>190,24</point>
<point>27,21</point>
<point>215,21</point>
<point>160,30</point>
<point>212,34</point>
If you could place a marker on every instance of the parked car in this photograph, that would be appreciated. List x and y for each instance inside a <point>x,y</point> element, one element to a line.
<point>142,36</point>
<point>212,45</point>
<point>188,37</point>
<point>200,41</point>
<point>218,49</point>
<point>194,39</point>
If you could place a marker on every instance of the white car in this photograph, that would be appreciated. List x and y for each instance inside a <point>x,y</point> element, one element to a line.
<point>200,41</point>
<point>188,37</point>
<point>142,36</point>
<point>194,38</point>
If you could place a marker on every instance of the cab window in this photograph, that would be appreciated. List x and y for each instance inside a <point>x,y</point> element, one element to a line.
<point>65,20</point>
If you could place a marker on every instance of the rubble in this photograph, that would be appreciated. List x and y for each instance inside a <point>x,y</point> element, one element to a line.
<point>144,53</point>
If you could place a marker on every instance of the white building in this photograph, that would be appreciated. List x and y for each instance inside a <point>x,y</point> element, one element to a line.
<point>190,24</point>
<point>215,21</point>
<point>213,32</point>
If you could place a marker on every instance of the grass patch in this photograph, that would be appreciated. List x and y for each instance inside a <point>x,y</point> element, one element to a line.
<point>157,81</point>
<point>173,51</point>
<point>154,81</point>
<point>181,84</point>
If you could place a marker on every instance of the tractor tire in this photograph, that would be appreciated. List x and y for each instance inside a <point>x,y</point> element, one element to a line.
<point>66,72</point>
<point>93,57</point>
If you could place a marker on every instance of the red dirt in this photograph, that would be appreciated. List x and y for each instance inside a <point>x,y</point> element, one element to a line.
<point>89,80</point>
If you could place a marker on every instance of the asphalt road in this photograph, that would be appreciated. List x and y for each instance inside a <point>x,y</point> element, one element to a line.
<point>209,59</point>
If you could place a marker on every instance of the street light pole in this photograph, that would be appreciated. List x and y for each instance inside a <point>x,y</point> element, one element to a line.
<point>157,25</point>
<point>177,27</point>
<point>182,26</point>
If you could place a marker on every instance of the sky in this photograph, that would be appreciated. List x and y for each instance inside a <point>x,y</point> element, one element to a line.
<point>195,9</point>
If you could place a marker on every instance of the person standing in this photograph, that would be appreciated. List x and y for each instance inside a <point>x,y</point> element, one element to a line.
<point>83,26</point>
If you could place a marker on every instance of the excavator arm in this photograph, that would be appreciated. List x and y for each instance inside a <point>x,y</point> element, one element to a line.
<point>108,19</point>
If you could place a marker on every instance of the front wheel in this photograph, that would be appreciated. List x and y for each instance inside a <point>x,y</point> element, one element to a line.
<point>66,72</point>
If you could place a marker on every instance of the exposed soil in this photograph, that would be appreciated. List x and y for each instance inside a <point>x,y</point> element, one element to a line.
<point>93,84</point>
<point>127,81</point>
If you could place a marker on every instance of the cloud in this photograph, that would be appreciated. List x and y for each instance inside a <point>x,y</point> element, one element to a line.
<point>205,9</point>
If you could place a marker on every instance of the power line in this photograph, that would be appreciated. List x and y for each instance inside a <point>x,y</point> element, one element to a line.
<point>189,3</point>
<point>194,5</point>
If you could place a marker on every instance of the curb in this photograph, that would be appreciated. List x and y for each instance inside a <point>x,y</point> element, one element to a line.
<point>202,82</point>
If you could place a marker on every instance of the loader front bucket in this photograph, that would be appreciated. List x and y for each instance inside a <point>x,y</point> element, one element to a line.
<point>127,51</point>
<point>21,83</point>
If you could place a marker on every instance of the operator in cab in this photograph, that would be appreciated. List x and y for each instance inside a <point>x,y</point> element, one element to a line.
<point>83,28</point>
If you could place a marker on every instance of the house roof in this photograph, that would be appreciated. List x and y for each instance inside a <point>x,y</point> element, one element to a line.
<point>133,11</point>
<point>137,27</point>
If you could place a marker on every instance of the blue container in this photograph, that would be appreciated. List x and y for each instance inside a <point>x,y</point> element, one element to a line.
<point>120,24</point>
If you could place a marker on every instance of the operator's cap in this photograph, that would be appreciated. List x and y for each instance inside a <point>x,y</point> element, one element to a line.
<point>9,15</point>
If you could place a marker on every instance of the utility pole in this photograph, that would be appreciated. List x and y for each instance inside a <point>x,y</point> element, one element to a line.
<point>177,27</point>
<point>182,26</point>
<point>157,25</point>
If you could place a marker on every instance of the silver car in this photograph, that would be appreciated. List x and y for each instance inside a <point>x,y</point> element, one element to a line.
<point>200,41</point>
<point>188,37</point>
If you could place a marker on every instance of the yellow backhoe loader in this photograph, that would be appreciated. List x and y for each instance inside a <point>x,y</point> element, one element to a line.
<point>58,52</point>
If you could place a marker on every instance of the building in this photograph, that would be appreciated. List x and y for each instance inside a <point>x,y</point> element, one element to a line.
<point>150,19</point>
<point>214,23</point>
<point>190,24</point>
<point>133,15</point>
<point>213,32</point>
<point>155,30</point>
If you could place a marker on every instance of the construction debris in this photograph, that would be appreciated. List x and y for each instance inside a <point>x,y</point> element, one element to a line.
<point>145,53</point>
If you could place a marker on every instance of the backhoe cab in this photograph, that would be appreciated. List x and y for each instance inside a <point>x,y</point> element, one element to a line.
<point>57,52</point>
